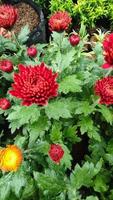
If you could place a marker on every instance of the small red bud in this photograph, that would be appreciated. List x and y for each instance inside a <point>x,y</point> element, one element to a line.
<point>4,104</point>
<point>56,153</point>
<point>6,65</point>
<point>32,52</point>
<point>74,40</point>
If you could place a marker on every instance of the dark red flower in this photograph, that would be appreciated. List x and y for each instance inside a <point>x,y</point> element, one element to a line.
<point>74,39</point>
<point>4,104</point>
<point>32,51</point>
<point>8,16</point>
<point>108,51</point>
<point>104,89</point>
<point>6,65</point>
<point>59,21</point>
<point>34,84</point>
<point>56,153</point>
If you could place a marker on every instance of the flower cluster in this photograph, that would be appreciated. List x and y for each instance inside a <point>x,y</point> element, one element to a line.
<point>59,21</point>
<point>104,89</point>
<point>8,16</point>
<point>34,84</point>
<point>10,158</point>
<point>108,51</point>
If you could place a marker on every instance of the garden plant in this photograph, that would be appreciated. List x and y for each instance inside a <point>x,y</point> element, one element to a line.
<point>56,114</point>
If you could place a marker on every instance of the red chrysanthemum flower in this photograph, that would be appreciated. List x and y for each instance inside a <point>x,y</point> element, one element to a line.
<point>108,51</point>
<point>34,84</point>
<point>8,16</point>
<point>56,153</point>
<point>104,89</point>
<point>59,21</point>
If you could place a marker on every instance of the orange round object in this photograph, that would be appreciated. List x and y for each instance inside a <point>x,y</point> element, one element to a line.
<point>10,158</point>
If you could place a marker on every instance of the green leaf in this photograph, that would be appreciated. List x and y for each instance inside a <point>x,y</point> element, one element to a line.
<point>57,109</point>
<point>100,183</point>
<point>86,126</point>
<point>37,129</point>
<point>92,198</point>
<point>82,176</point>
<point>73,194</point>
<point>50,183</point>
<point>67,59</point>
<point>84,107</point>
<point>24,34</point>
<point>70,134</point>
<point>4,189</point>
<point>29,189</point>
<point>56,133</point>
<point>20,141</point>
<point>42,147</point>
<point>70,84</point>
<point>18,182</point>
<point>67,158</point>
<point>107,113</point>
<point>7,44</point>
<point>21,115</point>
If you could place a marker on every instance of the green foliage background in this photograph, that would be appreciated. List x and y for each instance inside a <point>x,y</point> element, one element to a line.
<point>86,11</point>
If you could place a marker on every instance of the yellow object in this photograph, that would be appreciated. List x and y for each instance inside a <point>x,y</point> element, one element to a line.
<point>10,158</point>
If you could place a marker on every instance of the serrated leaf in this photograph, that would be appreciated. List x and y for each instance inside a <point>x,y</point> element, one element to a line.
<point>100,183</point>
<point>84,107</point>
<point>57,37</point>
<point>37,129</point>
<point>57,109</point>
<point>24,34</point>
<point>42,147</point>
<point>50,183</point>
<point>5,190</point>
<point>18,182</point>
<point>67,158</point>
<point>7,44</point>
<point>21,115</point>
<point>70,84</point>
<point>56,133</point>
<point>83,176</point>
<point>70,134</point>
<point>86,126</point>
<point>20,141</point>
<point>107,113</point>
<point>67,59</point>
<point>29,189</point>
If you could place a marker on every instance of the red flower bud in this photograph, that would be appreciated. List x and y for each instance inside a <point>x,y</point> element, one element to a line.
<point>32,51</point>
<point>56,152</point>
<point>4,104</point>
<point>74,40</point>
<point>6,65</point>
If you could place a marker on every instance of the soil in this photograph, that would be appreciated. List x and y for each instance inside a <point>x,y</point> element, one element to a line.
<point>26,15</point>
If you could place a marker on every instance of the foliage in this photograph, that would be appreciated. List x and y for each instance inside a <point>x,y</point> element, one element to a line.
<point>85,11</point>
<point>61,5</point>
<point>90,11</point>
<point>67,119</point>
